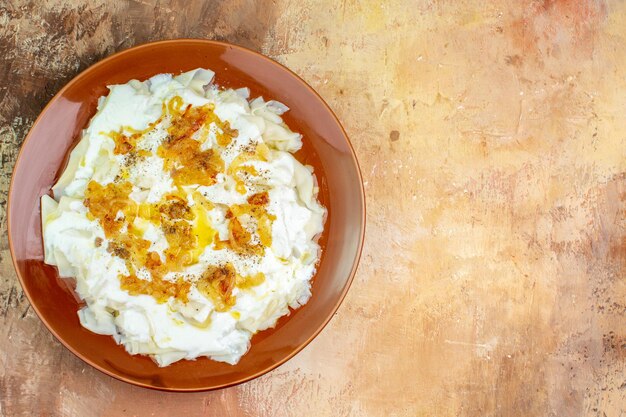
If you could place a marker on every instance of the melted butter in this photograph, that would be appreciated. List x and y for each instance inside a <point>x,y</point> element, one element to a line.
<point>202,230</point>
<point>188,230</point>
<point>225,137</point>
<point>199,324</point>
<point>149,212</point>
<point>250,281</point>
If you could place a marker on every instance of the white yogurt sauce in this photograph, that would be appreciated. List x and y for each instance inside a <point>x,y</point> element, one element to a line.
<point>173,330</point>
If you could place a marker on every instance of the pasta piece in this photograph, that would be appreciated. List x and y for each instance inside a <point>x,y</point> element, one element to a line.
<point>69,174</point>
<point>196,79</point>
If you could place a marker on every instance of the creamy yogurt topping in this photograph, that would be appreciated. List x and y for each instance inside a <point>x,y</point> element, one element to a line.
<point>185,219</point>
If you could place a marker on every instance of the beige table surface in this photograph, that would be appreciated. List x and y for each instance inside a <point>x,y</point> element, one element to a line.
<point>492,139</point>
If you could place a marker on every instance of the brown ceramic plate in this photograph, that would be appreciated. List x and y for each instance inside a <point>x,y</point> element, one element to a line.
<point>326,147</point>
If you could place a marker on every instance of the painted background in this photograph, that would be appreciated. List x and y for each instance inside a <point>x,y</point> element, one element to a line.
<point>492,138</point>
